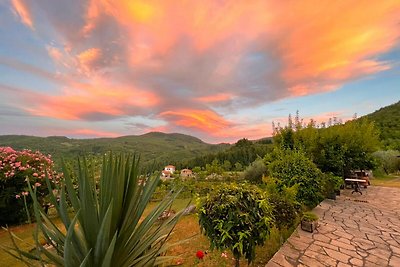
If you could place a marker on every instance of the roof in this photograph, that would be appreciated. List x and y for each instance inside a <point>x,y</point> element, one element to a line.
<point>170,166</point>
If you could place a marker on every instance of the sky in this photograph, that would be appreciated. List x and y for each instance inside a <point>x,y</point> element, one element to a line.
<point>218,70</point>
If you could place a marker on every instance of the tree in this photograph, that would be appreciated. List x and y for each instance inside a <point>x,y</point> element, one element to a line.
<point>290,168</point>
<point>255,171</point>
<point>236,217</point>
<point>227,165</point>
<point>389,160</point>
<point>108,227</point>
<point>238,166</point>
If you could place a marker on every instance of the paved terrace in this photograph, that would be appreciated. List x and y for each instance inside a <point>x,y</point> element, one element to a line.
<point>354,230</point>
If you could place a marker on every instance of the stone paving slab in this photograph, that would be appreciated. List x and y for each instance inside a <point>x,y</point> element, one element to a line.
<point>354,230</point>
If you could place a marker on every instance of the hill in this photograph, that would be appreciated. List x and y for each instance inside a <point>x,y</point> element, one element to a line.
<point>387,120</point>
<point>154,148</point>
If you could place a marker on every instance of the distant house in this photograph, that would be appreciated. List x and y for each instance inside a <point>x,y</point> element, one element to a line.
<point>170,168</point>
<point>165,175</point>
<point>186,173</point>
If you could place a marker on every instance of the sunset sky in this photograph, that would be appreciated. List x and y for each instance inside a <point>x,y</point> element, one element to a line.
<point>218,70</point>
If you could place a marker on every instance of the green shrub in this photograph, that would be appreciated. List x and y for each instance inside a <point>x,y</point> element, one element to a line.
<point>309,216</point>
<point>285,207</point>
<point>255,171</point>
<point>330,183</point>
<point>107,226</point>
<point>16,167</point>
<point>236,217</point>
<point>292,167</point>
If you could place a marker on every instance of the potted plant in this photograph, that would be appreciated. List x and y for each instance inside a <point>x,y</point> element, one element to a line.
<point>309,221</point>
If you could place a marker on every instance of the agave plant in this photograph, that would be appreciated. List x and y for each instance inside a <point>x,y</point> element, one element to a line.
<point>107,226</point>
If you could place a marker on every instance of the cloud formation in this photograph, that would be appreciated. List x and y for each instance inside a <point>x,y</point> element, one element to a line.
<point>193,64</point>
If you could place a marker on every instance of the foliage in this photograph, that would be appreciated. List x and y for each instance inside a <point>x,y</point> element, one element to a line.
<point>108,227</point>
<point>309,216</point>
<point>285,207</point>
<point>156,149</point>
<point>16,167</point>
<point>255,171</point>
<point>387,120</point>
<point>337,149</point>
<point>388,160</point>
<point>330,183</point>
<point>236,217</point>
<point>291,167</point>
<point>243,153</point>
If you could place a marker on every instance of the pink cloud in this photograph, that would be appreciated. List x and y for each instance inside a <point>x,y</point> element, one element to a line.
<point>23,12</point>
<point>180,63</point>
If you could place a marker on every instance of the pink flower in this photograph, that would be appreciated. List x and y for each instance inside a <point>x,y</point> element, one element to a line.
<point>38,184</point>
<point>35,174</point>
<point>17,196</point>
<point>224,255</point>
<point>17,164</point>
<point>25,193</point>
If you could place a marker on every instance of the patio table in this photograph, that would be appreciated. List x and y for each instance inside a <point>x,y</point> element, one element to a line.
<point>356,184</point>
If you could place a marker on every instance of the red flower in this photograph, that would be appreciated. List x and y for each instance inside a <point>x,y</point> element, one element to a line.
<point>200,254</point>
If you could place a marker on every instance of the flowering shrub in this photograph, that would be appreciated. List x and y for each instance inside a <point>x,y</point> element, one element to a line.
<point>16,168</point>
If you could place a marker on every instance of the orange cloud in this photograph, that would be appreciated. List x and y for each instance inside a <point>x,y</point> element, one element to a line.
<point>88,58</point>
<point>204,120</point>
<point>90,133</point>
<point>96,101</point>
<point>23,12</point>
<point>215,98</point>
<point>319,47</point>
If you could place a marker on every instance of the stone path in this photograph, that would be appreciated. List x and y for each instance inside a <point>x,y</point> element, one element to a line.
<point>354,230</point>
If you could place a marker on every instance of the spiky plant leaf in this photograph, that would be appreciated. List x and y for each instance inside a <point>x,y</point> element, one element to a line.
<point>108,227</point>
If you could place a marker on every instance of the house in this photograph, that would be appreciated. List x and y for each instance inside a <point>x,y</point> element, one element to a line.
<point>186,173</point>
<point>165,175</point>
<point>170,168</point>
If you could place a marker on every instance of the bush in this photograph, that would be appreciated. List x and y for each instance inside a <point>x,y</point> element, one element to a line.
<point>236,217</point>
<point>285,207</point>
<point>255,171</point>
<point>16,168</point>
<point>292,167</point>
<point>330,183</point>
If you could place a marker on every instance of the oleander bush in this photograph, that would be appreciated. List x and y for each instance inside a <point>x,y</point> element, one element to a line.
<point>16,169</point>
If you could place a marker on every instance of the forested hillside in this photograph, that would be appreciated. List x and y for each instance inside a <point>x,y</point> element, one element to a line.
<point>387,120</point>
<point>154,148</point>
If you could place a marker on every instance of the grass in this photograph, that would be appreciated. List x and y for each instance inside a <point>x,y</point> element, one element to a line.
<point>187,228</point>
<point>386,180</point>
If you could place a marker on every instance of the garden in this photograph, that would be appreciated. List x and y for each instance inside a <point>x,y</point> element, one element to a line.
<point>107,212</point>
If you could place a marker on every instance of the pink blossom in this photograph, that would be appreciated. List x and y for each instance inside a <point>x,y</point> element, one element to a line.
<point>38,184</point>
<point>18,164</point>
<point>35,174</point>
<point>25,193</point>
<point>17,196</point>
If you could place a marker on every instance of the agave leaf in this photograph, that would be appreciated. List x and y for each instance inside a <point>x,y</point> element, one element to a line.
<point>71,256</point>
<point>103,236</point>
<point>86,260</point>
<point>107,260</point>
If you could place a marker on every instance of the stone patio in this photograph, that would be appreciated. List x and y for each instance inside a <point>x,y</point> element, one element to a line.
<point>354,230</point>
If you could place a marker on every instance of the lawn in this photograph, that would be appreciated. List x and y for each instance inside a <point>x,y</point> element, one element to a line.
<point>187,228</point>
<point>386,180</point>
